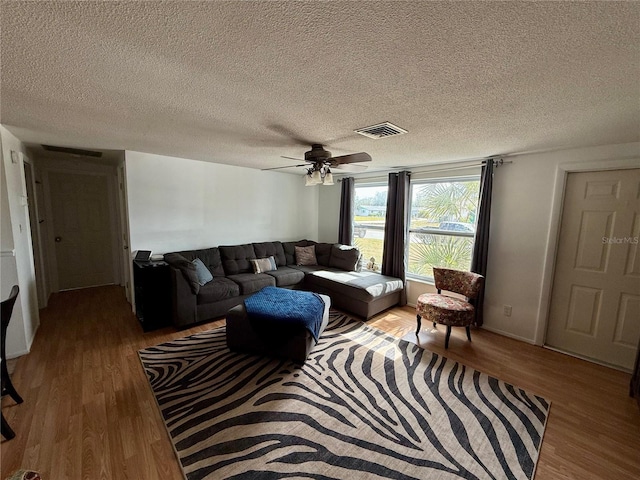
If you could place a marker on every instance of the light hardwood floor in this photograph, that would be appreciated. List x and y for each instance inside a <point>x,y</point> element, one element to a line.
<point>88,412</point>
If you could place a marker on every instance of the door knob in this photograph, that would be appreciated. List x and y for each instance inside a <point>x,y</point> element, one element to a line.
<point>58,239</point>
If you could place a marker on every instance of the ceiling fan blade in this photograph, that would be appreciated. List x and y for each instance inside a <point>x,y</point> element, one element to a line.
<point>287,166</point>
<point>349,167</point>
<point>292,158</point>
<point>353,158</point>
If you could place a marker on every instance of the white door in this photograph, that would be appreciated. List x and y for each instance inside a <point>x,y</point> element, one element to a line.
<point>82,230</point>
<point>595,300</point>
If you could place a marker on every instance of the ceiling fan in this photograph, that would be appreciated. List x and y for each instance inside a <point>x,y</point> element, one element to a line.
<point>319,163</point>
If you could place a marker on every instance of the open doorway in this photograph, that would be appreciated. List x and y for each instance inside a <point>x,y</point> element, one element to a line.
<point>84,239</point>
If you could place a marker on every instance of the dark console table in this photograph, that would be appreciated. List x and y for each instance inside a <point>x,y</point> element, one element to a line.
<point>152,294</point>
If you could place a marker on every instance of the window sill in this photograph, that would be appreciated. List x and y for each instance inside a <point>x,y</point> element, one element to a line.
<point>420,280</point>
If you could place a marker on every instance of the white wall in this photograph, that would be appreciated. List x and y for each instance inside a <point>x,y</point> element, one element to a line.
<point>521,220</point>
<point>180,204</point>
<point>16,229</point>
<point>329,214</point>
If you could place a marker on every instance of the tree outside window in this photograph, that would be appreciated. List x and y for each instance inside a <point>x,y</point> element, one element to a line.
<point>443,224</point>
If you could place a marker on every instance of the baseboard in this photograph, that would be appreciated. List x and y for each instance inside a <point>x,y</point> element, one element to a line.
<point>21,353</point>
<point>499,332</point>
<point>507,334</point>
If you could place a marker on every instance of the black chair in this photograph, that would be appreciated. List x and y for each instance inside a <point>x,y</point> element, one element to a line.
<point>7,386</point>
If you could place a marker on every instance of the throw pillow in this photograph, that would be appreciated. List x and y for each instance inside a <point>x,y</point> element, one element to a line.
<point>187,268</point>
<point>344,257</point>
<point>261,265</point>
<point>203,273</point>
<point>306,255</point>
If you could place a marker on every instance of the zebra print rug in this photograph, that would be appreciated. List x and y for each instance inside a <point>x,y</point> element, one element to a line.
<point>365,405</point>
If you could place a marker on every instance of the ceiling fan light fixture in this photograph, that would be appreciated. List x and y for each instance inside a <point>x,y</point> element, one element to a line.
<point>319,160</point>
<point>308,181</point>
<point>316,177</point>
<point>328,178</point>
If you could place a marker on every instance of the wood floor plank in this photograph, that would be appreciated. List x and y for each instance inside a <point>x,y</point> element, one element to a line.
<point>89,412</point>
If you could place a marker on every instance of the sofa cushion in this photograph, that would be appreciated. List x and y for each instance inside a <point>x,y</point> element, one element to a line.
<point>306,255</point>
<point>344,257</point>
<point>187,268</point>
<point>235,258</point>
<point>209,256</point>
<point>263,265</point>
<point>364,286</point>
<point>271,249</point>
<point>314,268</point>
<point>290,250</point>
<point>217,289</point>
<point>287,276</point>
<point>323,253</point>
<point>204,275</point>
<point>252,282</point>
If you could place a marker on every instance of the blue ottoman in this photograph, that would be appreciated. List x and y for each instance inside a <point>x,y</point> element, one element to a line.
<point>242,337</point>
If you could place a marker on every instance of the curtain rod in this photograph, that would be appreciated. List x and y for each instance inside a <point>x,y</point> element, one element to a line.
<point>497,162</point>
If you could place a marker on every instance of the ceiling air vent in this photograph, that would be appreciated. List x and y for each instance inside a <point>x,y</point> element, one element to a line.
<point>382,130</point>
<point>73,151</point>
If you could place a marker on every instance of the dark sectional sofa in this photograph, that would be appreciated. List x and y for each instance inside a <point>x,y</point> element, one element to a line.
<point>336,274</point>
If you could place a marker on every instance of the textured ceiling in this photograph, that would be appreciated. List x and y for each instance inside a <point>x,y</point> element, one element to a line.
<point>246,82</point>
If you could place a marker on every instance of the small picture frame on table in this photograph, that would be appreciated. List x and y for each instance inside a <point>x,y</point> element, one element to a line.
<point>143,256</point>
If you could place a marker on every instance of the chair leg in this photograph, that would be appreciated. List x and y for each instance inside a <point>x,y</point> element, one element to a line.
<point>419,318</point>
<point>468,332</point>
<point>7,386</point>
<point>6,429</point>
<point>446,340</point>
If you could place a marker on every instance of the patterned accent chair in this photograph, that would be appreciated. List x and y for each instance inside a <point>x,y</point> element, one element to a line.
<point>447,310</point>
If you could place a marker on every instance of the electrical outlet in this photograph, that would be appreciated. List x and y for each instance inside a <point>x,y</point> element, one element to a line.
<point>506,310</point>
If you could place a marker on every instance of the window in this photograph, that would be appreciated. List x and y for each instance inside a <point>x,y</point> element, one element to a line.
<point>370,209</point>
<point>442,225</point>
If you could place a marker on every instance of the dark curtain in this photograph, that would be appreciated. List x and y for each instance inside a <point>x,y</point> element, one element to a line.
<point>481,245</point>
<point>395,228</point>
<point>345,228</point>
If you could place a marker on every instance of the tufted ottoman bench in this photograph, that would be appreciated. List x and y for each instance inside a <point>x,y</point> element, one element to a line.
<point>241,336</point>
